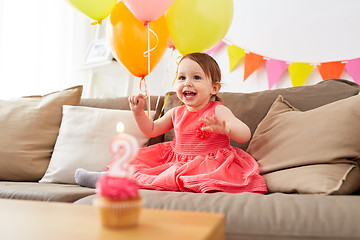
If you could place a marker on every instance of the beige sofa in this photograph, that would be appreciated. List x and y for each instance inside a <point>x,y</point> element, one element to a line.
<point>313,194</point>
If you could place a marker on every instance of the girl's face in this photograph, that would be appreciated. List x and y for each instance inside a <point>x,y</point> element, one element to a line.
<point>193,87</point>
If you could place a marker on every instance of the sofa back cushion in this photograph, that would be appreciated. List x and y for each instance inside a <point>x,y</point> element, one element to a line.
<point>84,138</point>
<point>122,103</point>
<point>29,127</point>
<point>315,151</point>
<point>251,108</point>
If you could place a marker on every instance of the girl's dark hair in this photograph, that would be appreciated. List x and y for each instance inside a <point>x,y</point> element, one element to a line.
<point>208,65</point>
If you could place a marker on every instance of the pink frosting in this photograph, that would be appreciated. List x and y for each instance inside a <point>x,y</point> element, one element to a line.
<point>117,187</point>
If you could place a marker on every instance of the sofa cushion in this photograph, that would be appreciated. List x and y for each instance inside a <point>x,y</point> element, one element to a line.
<point>83,142</point>
<point>122,103</point>
<point>28,130</point>
<point>273,216</point>
<point>312,151</point>
<point>43,191</point>
<point>251,108</point>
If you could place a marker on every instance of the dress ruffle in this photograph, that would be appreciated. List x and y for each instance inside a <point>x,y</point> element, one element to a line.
<point>219,170</point>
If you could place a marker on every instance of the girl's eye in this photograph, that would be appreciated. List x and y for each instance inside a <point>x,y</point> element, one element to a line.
<point>181,78</point>
<point>197,77</point>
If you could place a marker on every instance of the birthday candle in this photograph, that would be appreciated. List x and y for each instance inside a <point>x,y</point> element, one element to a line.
<point>124,148</point>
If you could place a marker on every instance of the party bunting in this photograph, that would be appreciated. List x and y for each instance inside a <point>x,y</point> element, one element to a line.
<point>353,68</point>
<point>299,72</point>
<point>252,62</point>
<point>275,69</point>
<point>235,55</point>
<point>331,69</point>
<point>214,49</point>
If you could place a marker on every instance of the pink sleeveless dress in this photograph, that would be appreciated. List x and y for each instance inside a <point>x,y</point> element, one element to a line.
<point>197,161</point>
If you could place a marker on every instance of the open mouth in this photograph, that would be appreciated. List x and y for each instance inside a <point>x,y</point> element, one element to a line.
<point>189,94</point>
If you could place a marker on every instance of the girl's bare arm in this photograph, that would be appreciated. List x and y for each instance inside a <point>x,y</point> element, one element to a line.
<point>147,126</point>
<point>225,122</point>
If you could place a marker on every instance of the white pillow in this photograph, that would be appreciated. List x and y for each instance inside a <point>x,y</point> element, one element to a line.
<point>84,139</point>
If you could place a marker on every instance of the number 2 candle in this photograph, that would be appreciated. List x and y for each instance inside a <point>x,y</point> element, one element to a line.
<point>124,148</point>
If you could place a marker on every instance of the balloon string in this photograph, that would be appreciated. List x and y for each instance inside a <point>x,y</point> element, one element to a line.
<point>158,99</point>
<point>147,101</point>
<point>149,66</point>
<point>166,99</point>
<point>178,60</point>
<point>98,22</point>
<point>167,96</point>
<point>147,53</point>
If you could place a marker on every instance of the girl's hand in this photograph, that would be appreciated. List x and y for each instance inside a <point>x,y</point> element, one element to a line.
<point>137,102</point>
<point>215,125</point>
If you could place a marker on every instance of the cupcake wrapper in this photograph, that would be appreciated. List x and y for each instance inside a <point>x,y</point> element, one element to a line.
<point>119,214</point>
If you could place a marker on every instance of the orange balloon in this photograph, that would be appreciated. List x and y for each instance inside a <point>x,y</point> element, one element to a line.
<point>128,39</point>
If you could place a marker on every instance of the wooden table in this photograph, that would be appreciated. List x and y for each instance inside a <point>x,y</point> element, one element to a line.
<point>35,220</point>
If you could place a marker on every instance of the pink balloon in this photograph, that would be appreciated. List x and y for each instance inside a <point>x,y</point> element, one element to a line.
<point>171,44</point>
<point>148,10</point>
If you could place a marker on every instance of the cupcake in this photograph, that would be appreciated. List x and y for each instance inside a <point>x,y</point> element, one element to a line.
<point>118,201</point>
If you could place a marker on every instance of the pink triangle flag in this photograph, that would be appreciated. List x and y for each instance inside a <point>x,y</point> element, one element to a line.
<point>215,48</point>
<point>353,68</point>
<point>275,69</point>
